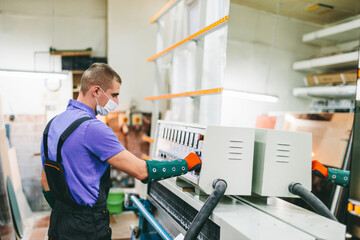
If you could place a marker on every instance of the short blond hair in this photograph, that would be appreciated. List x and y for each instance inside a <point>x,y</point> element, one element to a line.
<point>98,74</point>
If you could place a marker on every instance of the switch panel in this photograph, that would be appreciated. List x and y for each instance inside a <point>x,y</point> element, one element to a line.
<point>226,153</point>
<point>280,158</point>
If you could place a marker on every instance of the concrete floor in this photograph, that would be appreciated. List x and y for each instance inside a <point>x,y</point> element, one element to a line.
<point>120,224</point>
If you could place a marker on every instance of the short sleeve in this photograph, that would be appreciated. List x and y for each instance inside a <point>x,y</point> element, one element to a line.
<point>101,140</point>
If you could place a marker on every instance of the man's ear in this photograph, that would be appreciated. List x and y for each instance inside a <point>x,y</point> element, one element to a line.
<point>95,90</point>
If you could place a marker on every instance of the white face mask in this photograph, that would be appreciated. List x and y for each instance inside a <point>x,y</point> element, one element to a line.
<point>109,106</point>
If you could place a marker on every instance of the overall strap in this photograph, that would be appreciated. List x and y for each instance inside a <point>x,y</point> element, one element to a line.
<point>67,133</point>
<point>45,138</point>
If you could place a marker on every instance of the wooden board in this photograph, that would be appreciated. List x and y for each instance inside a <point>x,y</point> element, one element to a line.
<point>15,212</point>
<point>330,134</point>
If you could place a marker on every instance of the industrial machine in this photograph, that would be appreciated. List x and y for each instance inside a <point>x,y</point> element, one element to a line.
<point>226,153</point>
<point>253,166</point>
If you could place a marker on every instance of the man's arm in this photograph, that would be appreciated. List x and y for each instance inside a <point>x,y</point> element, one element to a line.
<point>44,181</point>
<point>130,164</point>
<point>152,170</point>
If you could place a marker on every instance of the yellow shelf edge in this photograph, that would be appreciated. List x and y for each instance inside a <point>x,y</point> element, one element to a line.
<point>202,31</point>
<point>186,94</point>
<point>162,11</point>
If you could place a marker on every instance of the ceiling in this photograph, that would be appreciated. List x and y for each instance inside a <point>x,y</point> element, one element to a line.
<point>342,9</point>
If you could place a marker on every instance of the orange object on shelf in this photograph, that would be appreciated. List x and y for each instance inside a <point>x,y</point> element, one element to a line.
<point>147,139</point>
<point>357,209</point>
<point>350,207</point>
<point>186,94</point>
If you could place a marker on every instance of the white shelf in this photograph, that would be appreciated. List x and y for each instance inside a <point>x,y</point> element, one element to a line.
<point>344,32</point>
<point>345,60</point>
<point>340,91</point>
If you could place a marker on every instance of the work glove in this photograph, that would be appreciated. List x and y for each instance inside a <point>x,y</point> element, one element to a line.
<point>159,170</point>
<point>334,175</point>
<point>319,170</point>
<point>193,161</point>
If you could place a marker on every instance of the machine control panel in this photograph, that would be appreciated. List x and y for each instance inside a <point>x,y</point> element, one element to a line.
<point>226,152</point>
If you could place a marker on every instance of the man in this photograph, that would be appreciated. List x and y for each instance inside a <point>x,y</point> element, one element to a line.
<point>76,152</point>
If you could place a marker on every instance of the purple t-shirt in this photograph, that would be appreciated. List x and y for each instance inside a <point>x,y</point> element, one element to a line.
<point>84,152</point>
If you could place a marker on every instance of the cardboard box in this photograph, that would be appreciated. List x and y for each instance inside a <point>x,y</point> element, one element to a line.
<point>331,78</point>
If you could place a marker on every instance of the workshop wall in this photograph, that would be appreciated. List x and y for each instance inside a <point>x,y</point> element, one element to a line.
<point>131,40</point>
<point>29,28</point>
<point>260,52</point>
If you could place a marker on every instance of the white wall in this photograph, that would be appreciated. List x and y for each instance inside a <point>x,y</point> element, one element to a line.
<point>131,40</point>
<point>27,27</point>
<point>251,68</point>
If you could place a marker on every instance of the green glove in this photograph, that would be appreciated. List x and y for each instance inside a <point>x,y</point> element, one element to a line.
<point>339,177</point>
<point>49,198</point>
<point>159,170</point>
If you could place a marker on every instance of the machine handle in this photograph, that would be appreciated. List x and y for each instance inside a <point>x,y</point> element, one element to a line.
<point>150,219</point>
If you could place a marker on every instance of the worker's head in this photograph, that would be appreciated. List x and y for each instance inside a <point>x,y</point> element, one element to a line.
<point>100,83</point>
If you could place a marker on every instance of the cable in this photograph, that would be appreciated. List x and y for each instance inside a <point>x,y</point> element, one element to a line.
<point>203,215</point>
<point>311,199</point>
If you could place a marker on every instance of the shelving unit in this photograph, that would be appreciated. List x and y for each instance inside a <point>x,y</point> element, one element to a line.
<point>339,91</point>
<point>171,29</point>
<point>186,94</point>
<point>341,61</point>
<point>336,35</point>
<point>71,53</point>
<point>344,32</point>
<point>76,80</point>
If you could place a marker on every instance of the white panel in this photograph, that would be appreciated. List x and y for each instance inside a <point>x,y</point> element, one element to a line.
<point>226,153</point>
<point>281,158</point>
<point>299,218</point>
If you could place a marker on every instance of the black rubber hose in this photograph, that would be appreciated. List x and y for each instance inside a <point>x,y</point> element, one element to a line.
<point>203,215</point>
<point>312,200</point>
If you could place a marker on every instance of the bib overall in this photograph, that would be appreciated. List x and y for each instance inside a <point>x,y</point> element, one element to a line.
<point>70,220</point>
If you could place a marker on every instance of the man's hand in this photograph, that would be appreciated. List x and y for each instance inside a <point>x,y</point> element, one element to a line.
<point>319,170</point>
<point>193,161</point>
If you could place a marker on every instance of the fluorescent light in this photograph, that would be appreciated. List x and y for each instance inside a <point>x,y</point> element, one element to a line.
<point>20,73</point>
<point>251,96</point>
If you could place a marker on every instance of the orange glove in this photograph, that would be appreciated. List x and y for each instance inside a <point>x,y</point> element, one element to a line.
<point>319,170</point>
<point>193,161</point>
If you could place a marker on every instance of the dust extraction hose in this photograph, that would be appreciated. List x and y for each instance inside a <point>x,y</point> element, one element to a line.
<point>199,221</point>
<point>311,199</point>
